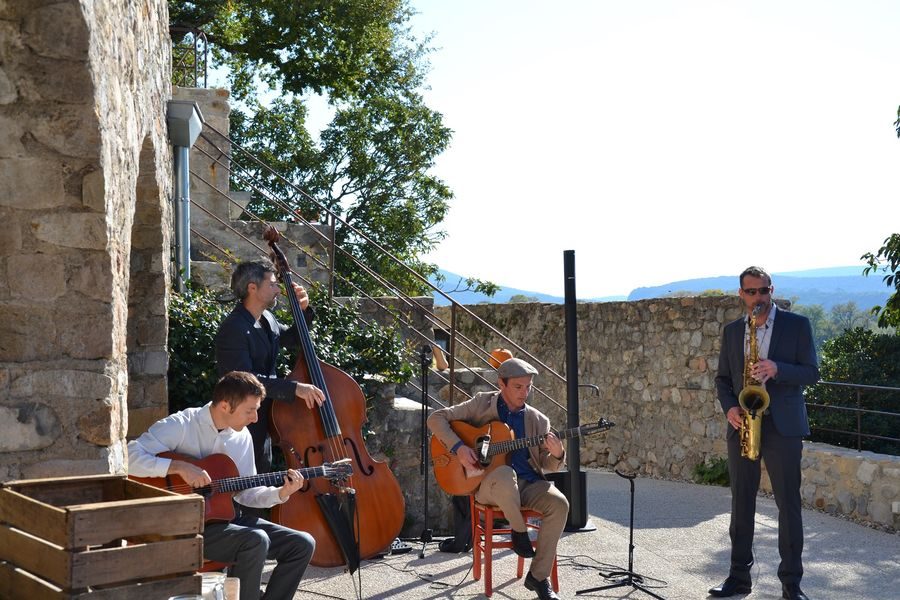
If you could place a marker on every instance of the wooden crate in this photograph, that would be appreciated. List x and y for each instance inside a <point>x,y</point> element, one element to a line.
<point>98,537</point>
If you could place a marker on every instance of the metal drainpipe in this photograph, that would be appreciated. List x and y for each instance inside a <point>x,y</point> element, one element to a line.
<point>185,121</point>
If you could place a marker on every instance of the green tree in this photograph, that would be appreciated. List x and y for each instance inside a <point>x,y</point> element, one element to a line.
<point>517,298</point>
<point>859,356</point>
<point>846,316</point>
<point>822,327</point>
<point>887,260</point>
<point>342,48</point>
<point>371,165</point>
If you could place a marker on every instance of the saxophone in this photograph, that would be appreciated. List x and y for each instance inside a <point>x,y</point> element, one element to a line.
<point>754,398</point>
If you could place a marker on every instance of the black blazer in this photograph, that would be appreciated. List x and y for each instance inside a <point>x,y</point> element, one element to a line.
<point>793,350</point>
<point>240,346</point>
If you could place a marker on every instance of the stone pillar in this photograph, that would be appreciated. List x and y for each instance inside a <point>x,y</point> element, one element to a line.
<point>82,91</point>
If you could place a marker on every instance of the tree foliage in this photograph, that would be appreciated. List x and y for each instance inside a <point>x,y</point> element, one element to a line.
<point>339,47</point>
<point>859,356</point>
<point>887,260</point>
<point>371,164</point>
<point>368,352</point>
<point>842,317</point>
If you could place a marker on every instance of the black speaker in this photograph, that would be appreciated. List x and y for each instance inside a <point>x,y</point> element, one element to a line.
<point>578,516</point>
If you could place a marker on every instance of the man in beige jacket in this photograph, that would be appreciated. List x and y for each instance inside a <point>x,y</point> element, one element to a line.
<point>521,483</point>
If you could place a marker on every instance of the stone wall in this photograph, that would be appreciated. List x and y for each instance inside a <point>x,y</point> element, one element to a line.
<point>85,177</point>
<point>655,363</point>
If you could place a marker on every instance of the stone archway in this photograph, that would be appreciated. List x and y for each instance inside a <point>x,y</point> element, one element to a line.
<point>83,91</point>
<point>148,290</point>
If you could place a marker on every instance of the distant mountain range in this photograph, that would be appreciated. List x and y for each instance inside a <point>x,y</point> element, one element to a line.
<point>828,286</point>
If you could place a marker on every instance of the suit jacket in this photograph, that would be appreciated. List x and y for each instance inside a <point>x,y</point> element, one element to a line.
<point>240,346</point>
<point>793,350</point>
<point>482,409</point>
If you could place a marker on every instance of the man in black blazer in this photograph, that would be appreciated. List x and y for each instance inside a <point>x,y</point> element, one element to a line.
<point>787,362</point>
<point>249,339</point>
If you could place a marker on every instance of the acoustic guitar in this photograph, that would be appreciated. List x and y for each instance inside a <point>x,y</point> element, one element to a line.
<point>226,481</point>
<point>491,443</point>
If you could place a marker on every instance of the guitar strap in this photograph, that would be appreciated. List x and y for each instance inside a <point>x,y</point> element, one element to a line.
<point>340,512</point>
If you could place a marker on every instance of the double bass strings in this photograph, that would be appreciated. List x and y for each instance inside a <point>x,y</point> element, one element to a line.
<point>326,410</point>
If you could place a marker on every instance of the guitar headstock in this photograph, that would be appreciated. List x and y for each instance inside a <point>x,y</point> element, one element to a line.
<point>341,469</point>
<point>601,425</point>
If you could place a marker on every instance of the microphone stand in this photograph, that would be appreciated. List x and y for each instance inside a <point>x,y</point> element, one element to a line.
<point>426,363</point>
<point>631,578</point>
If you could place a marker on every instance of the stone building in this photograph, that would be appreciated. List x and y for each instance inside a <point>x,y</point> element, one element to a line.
<point>85,184</point>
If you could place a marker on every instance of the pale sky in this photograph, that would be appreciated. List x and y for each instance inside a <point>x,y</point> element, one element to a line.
<point>663,139</point>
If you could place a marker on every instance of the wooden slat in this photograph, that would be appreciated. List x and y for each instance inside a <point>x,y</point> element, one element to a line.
<point>101,523</point>
<point>18,583</point>
<point>128,508</point>
<point>46,560</point>
<point>102,566</point>
<point>114,565</point>
<point>24,512</point>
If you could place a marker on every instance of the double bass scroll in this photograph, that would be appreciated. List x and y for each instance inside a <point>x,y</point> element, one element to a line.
<point>361,518</point>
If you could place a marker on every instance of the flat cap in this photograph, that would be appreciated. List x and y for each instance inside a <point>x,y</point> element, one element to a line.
<point>515,367</point>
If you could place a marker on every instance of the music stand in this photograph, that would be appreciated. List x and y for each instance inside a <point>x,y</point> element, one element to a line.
<point>630,577</point>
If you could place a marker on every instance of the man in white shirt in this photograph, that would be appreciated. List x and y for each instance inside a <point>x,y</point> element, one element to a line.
<point>220,427</point>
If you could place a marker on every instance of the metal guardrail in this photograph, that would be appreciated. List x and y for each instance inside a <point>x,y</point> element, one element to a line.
<point>223,155</point>
<point>857,391</point>
<point>189,56</point>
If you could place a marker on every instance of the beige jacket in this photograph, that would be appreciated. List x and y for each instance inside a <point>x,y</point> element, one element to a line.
<point>482,409</point>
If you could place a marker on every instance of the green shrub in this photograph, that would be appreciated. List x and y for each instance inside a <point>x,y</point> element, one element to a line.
<point>864,357</point>
<point>194,318</point>
<point>713,471</point>
<point>366,352</point>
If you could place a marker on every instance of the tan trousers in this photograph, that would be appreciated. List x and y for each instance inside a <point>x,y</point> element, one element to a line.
<point>502,489</point>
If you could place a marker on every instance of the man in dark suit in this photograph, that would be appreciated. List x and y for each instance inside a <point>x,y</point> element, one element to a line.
<point>787,362</point>
<point>250,338</point>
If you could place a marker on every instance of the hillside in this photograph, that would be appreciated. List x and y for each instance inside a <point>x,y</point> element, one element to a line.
<point>828,286</point>
<point>502,296</point>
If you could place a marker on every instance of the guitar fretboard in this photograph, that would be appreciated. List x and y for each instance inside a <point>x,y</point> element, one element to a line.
<point>236,484</point>
<point>510,445</point>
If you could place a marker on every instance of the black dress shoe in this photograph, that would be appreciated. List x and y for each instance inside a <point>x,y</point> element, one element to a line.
<point>792,591</point>
<point>543,588</point>
<point>521,544</point>
<point>730,587</point>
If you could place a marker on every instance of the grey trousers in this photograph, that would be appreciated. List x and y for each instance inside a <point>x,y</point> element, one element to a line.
<point>247,542</point>
<point>782,457</point>
<point>502,489</point>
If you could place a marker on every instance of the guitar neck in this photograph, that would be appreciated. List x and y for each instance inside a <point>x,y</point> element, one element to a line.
<point>236,484</point>
<point>518,444</point>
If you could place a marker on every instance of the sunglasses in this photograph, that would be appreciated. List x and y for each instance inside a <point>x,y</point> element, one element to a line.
<point>763,291</point>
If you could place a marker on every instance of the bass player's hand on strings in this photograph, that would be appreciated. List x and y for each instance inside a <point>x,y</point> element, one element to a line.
<point>310,394</point>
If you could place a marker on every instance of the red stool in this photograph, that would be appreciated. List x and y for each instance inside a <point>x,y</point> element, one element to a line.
<point>483,542</point>
<point>209,566</point>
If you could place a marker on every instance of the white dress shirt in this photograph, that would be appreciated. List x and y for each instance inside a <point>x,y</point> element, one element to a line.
<point>193,433</point>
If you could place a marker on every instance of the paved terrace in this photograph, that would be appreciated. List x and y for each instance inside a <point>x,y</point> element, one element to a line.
<point>681,546</point>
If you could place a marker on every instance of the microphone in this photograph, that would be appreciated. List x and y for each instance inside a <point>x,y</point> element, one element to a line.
<point>426,354</point>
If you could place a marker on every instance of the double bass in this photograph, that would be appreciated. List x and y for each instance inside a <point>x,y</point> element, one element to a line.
<point>350,520</point>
